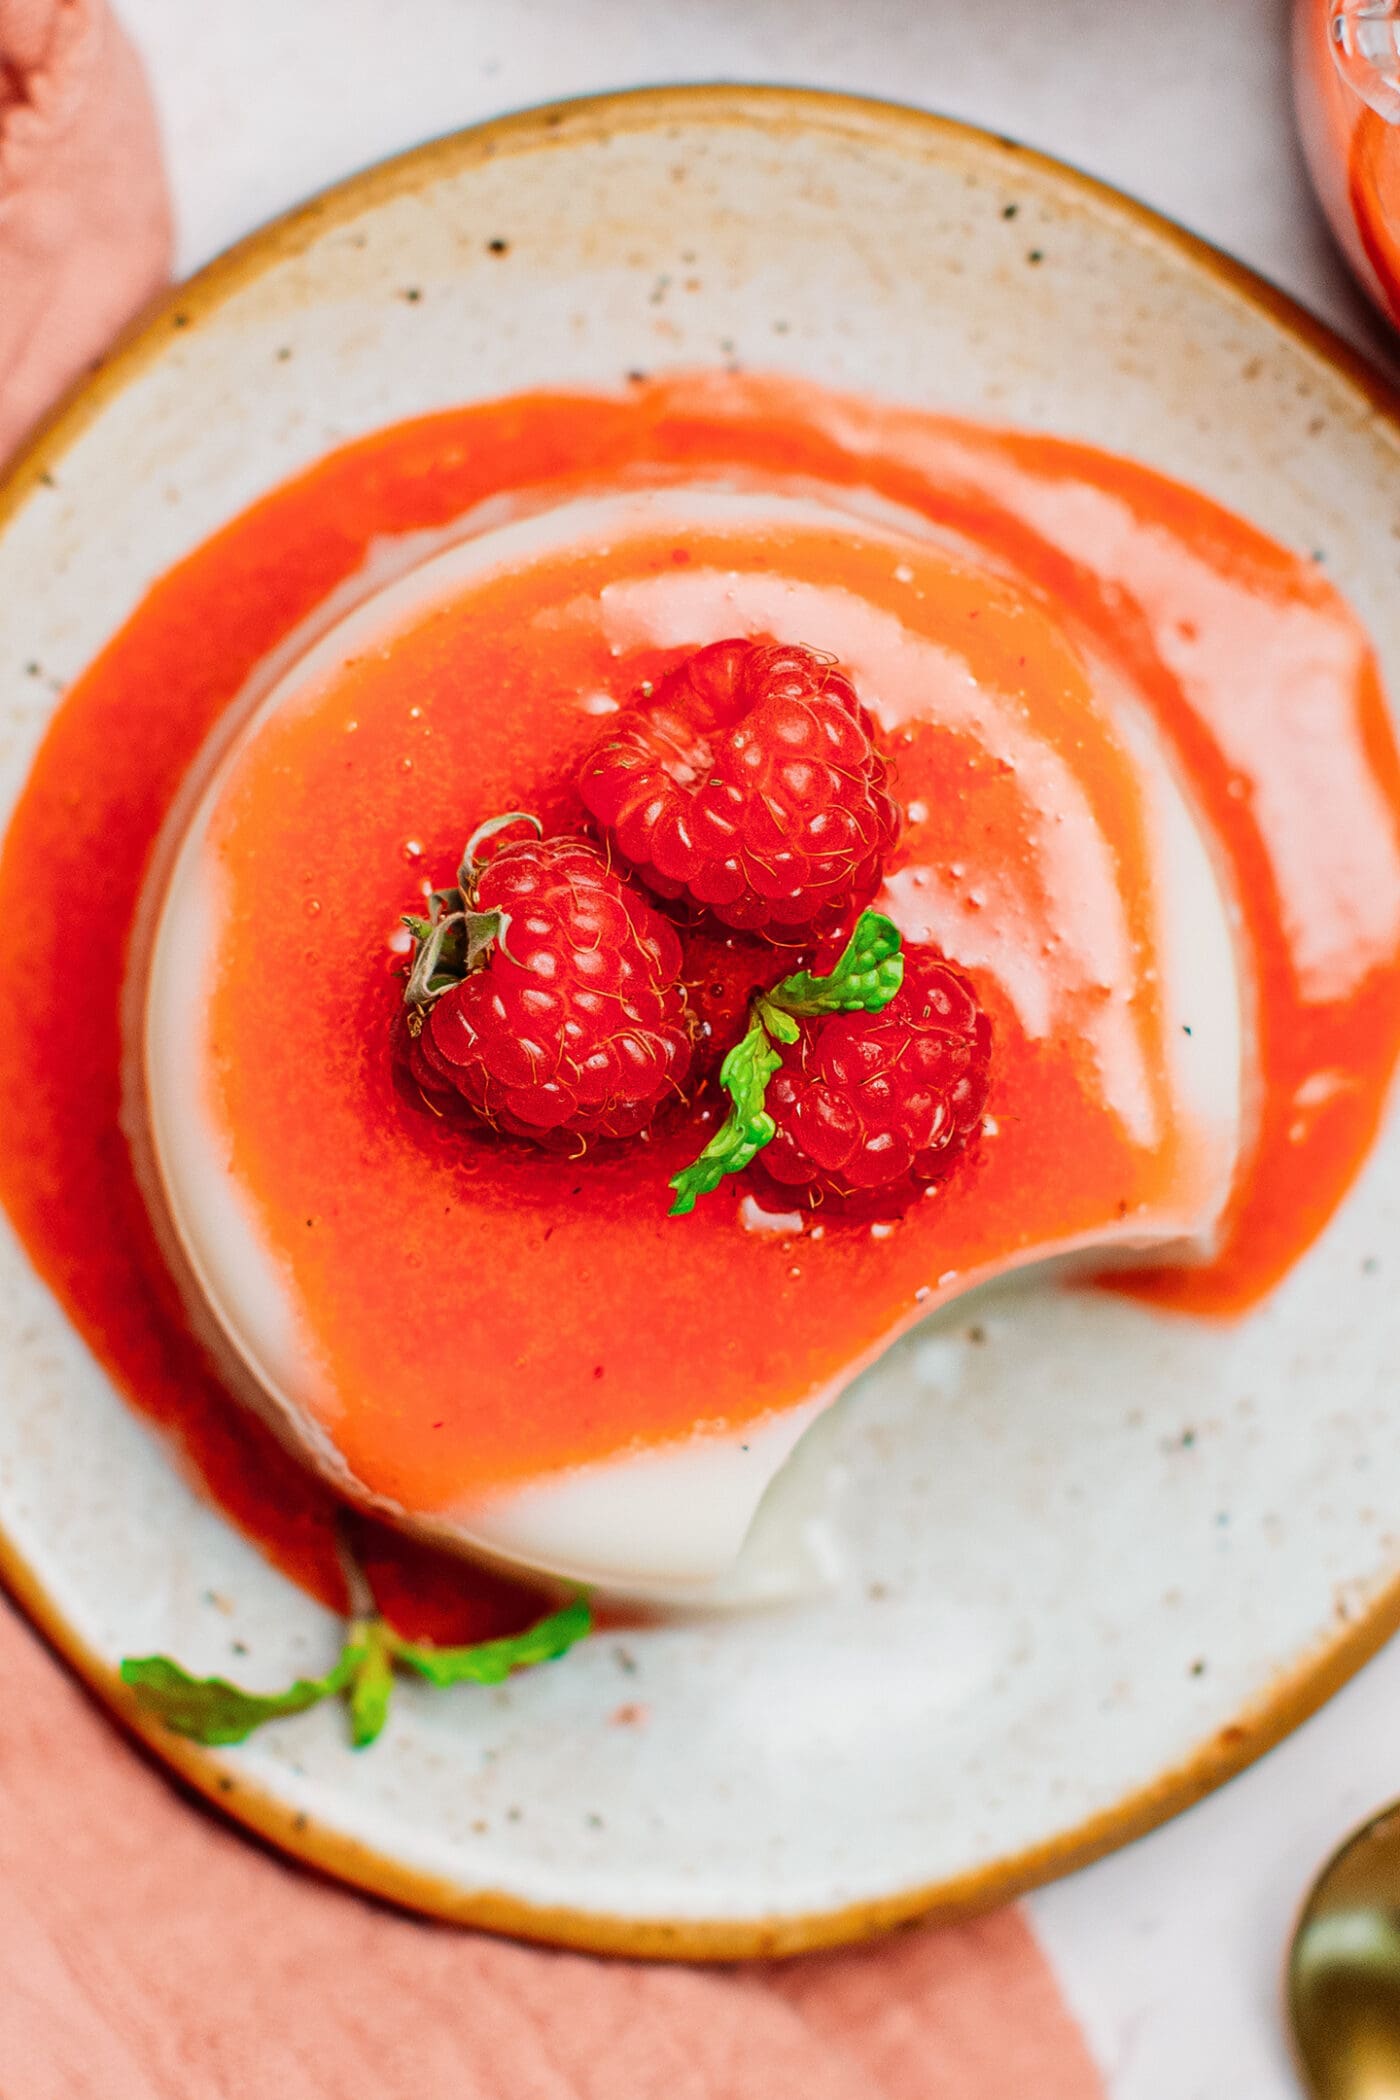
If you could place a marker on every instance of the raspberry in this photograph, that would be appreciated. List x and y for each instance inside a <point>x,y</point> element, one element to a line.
<point>575,1026</point>
<point>748,783</point>
<point>863,1101</point>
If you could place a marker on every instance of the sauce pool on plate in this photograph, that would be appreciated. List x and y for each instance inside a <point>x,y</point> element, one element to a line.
<point>1239,655</point>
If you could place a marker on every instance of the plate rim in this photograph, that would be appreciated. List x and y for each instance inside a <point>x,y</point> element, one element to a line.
<point>1298,1691</point>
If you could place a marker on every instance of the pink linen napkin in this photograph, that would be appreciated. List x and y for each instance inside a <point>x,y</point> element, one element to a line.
<point>84,215</point>
<point>148,1950</point>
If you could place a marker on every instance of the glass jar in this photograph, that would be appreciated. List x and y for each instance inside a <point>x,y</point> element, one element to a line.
<point>1346,68</point>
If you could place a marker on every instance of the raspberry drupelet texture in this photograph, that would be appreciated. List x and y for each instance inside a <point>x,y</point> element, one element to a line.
<point>748,783</point>
<point>575,1028</point>
<point>864,1101</point>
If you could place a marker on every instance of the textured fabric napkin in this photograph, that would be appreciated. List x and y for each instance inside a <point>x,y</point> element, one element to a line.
<point>84,217</point>
<point>150,1952</point>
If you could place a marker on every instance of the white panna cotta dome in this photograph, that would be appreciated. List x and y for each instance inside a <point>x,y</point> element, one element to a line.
<point>675,1523</point>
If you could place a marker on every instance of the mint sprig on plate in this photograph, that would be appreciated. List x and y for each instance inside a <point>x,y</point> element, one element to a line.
<point>211,1710</point>
<point>864,979</point>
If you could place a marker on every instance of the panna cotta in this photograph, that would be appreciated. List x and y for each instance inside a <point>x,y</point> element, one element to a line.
<point>520,1353</point>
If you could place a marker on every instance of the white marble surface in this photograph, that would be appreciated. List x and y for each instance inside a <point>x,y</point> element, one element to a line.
<point>1170,1952</point>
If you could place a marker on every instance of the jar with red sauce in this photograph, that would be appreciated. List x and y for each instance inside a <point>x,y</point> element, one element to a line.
<point>1346,68</point>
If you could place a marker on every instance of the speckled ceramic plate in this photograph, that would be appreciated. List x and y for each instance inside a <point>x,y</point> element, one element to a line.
<point>1094,1559</point>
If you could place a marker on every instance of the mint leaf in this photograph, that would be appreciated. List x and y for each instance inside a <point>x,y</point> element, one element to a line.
<point>371,1683</point>
<point>210,1709</point>
<point>864,979</point>
<point>491,1662</point>
<point>744,1075</point>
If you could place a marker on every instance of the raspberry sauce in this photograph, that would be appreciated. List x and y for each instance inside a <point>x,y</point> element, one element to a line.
<point>1241,652</point>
